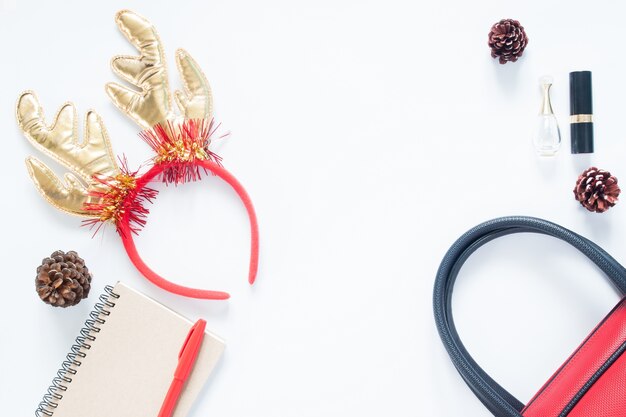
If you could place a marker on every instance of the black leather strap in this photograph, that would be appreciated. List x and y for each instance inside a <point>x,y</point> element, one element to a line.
<point>499,401</point>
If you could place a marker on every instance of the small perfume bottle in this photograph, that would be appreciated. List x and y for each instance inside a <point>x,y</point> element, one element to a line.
<point>547,139</point>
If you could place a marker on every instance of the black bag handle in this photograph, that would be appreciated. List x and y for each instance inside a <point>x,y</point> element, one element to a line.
<point>500,402</point>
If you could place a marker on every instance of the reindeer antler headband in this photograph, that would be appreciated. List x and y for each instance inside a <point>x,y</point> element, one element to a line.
<point>102,190</point>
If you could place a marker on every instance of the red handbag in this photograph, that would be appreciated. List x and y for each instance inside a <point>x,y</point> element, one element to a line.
<point>591,382</point>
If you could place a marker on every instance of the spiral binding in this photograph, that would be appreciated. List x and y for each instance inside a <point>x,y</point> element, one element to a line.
<point>97,318</point>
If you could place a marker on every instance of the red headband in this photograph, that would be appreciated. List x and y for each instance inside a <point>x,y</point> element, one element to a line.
<point>156,279</point>
<point>104,191</point>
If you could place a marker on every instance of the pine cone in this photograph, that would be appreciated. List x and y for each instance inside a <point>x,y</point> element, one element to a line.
<point>597,190</point>
<point>507,40</point>
<point>63,279</point>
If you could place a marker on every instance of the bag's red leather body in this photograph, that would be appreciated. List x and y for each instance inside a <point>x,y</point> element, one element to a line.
<point>592,382</point>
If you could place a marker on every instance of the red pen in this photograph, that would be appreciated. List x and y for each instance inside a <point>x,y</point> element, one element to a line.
<point>186,359</point>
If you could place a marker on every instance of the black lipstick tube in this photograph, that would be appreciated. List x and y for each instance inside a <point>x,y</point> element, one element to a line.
<point>581,111</point>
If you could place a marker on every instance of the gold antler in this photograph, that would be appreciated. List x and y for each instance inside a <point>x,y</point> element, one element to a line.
<point>60,141</point>
<point>196,102</point>
<point>148,72</point>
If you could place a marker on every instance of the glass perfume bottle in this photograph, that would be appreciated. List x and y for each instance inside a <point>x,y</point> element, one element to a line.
<point>547,138</point>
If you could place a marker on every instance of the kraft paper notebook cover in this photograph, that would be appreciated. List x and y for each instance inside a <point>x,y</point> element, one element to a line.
<point>125,368</point>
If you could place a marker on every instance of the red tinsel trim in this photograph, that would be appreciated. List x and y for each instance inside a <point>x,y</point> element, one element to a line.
<point>180,146</point>
<point>116,196</point>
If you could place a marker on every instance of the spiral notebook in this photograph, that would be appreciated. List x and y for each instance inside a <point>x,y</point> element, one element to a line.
<point>124,360</point>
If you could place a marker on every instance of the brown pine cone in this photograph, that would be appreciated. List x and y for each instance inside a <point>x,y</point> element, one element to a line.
<point>63,279</point>
<point>507,40</point>
<point>597,190</point>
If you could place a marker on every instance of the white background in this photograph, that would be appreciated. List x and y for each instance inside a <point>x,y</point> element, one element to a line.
<point>370,135</point>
